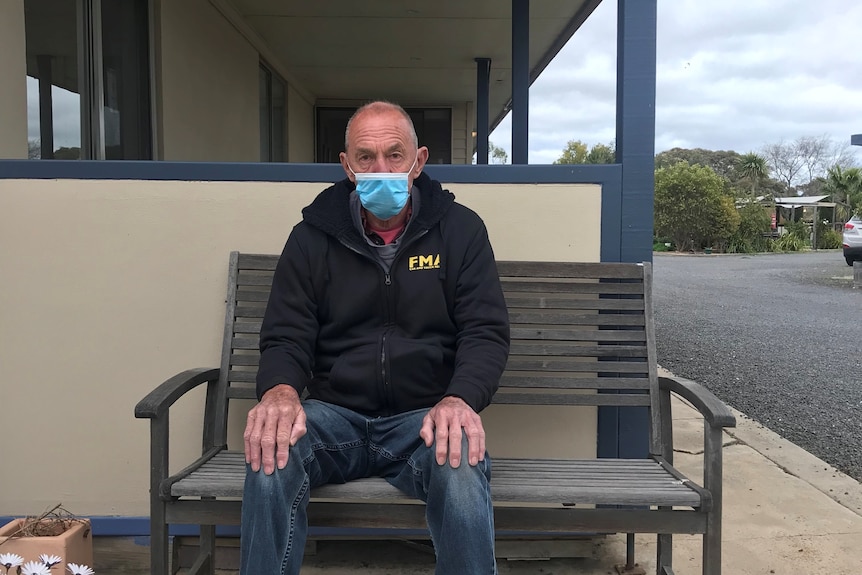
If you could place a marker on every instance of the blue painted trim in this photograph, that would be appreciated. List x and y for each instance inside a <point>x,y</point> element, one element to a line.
<point>624,432</point>
<point>269,172</point>
<point>181,171</point>
<point>520,80</point>
<point>856,140</point>
<point>483,95</point>
<point>636,87</point>
<point>612,189</point>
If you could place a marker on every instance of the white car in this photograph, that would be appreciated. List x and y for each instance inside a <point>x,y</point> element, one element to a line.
<point>853,240</point>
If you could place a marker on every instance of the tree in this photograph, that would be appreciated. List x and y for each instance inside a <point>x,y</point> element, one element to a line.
<point>34,149</point>
<point>752,167</point>
<point>575,152</point>
<point>845,187</point>
<point>799,163</point>
<point>691,207</point>
<point>602,154</point>
<point>497,155</point>
<point>64,153</point>
<point>722,162</point>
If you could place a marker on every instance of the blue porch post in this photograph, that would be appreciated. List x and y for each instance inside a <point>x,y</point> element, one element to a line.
<point>483,94</point>
<point>623,432</point>
<point>520,80</point>
<point>636,79</point>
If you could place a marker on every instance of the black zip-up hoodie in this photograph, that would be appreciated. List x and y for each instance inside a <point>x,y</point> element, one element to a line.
<point>384,343</point>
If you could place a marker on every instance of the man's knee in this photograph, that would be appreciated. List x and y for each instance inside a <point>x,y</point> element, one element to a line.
<point>259,484</point>
<point>461,478</point>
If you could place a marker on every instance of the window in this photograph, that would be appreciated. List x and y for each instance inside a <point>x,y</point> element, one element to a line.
<point>433,129</point>
<point>272,117</point>
<point>88,89</point>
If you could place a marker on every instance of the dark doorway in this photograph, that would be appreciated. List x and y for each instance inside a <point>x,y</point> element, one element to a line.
<point>433,128</point>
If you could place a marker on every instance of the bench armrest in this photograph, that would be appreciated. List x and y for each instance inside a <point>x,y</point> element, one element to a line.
<point>156,403</point>
<point>714,411</point>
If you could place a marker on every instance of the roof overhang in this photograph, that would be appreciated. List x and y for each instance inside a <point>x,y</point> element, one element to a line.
<point>411,52</point>
<point>856,140</point>
<point>804,201</point>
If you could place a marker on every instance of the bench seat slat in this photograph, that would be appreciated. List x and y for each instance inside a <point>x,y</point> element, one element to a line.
<point>535,379</point>
<point>573,365</point>
<point>551,288</point>
<point>565,270</point>
<point>573,317</point>
<point>503,398</point>
<point>257,261</point>
<point>593,481</point>
<point>516,348</point>
<point>562,334</point>
<point>569,302</point>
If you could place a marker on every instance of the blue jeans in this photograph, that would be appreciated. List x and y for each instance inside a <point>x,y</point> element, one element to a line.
<point>342,445</point>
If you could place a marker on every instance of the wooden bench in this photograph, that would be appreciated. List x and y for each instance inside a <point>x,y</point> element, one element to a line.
<point>582,334</point>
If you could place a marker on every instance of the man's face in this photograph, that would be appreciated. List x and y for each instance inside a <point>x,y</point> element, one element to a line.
<point>381,142</point>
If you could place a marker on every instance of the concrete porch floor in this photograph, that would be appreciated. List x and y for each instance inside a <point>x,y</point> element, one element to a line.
<point>785,512</point>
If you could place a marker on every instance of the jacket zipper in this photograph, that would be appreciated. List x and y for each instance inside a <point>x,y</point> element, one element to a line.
<point>387,281</point>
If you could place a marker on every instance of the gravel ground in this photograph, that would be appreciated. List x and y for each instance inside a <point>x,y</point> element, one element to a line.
<point>777,336</point>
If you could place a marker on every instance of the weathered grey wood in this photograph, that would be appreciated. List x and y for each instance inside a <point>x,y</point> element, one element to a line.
<point>258,261</point>
<point>576,328</point>
<point>410,516</point>
<point>569,301</point>
<point>573,287</point>
<point>567,270</point>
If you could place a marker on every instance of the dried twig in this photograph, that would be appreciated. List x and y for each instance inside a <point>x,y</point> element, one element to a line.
<point>51,523</point>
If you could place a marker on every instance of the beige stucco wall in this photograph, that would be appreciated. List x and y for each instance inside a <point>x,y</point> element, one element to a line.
<point>111,287</point>
<point>209,86</point>
<point>300,127</point>
<point>13,86</point>
<point>460,135</point>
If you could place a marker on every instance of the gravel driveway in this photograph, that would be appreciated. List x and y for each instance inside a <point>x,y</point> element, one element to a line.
<point>777,336</point>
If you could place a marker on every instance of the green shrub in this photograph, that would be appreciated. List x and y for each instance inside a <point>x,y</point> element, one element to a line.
<point>748,238</point>
<point>691,207</point>
<point>828,239</point>
<point>789,242</point>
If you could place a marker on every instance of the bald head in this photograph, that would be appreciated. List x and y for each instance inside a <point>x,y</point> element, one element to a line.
<point>379,107</point>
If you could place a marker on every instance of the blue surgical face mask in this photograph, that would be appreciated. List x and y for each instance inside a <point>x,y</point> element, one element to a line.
<point>384,194</point>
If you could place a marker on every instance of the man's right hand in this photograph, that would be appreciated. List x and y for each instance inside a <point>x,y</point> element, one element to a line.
<point>273,425</point>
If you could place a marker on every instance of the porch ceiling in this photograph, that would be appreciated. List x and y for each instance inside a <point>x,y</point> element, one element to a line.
<point>410,51</point>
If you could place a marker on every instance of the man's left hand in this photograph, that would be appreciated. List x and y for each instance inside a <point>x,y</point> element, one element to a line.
<point>446,423</point>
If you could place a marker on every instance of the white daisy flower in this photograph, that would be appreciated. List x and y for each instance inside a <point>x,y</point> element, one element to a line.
<point>35,568</point>
<point>9,560</point>
<point>50,560</point>
<point>75,569</point>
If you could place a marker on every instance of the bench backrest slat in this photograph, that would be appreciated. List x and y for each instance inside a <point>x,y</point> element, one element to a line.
<point>576,328</point>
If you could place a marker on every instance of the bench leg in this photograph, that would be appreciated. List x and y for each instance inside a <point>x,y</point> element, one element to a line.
<point>205,562</point>
<point>159,557</point>
<point>712,548</point>
<point>664,554</point>
<point>712,473</point>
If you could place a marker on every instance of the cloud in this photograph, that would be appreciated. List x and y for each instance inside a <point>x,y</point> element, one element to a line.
<point>734,75</point>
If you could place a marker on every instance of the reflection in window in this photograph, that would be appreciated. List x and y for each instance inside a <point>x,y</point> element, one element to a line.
<point>53,101</point>
<point>116,97</point>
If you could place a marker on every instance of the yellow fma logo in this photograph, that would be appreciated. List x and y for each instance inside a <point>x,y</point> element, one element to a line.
<point>429,262</point>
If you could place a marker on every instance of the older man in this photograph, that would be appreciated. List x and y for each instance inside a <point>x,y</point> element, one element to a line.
<point>387,309</point>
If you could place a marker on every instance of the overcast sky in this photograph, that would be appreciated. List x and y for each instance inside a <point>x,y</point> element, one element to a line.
<point>732,74</point>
